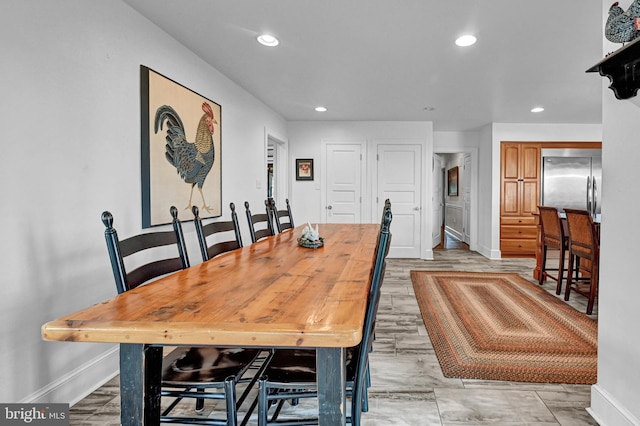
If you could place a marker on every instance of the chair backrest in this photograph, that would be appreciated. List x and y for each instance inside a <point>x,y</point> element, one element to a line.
<point>119,250</point>
<point>280,214</point>
<point>583,239</point>
<point>387,206</point>
<point>256,220</point>
<point>551,225</point>
<point>220,230</point>
<point>375,278</point>
<point>385,209</point>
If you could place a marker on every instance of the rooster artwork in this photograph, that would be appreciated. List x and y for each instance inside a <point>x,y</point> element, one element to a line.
<point>623,26</point>
<point>193,160</point>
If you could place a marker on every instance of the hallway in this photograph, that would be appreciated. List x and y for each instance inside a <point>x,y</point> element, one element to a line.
<point>450,242</point>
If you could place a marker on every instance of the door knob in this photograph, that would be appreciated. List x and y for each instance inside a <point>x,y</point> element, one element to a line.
<point>416,208</point>
<point>329,207</point>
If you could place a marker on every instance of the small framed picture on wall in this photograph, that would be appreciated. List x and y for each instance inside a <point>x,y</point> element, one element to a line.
<point>304,169</point>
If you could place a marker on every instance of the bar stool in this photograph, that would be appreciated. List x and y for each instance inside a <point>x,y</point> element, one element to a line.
<point>584,256</point>
<point>553,237</point>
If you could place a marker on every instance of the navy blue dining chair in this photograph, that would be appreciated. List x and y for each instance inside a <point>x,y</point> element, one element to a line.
<point>291,375</point>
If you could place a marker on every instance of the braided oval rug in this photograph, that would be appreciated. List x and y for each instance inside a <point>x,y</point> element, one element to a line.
<point>499,326</point>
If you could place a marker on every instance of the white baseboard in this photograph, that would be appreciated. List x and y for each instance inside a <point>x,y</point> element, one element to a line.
<point>80,382</point>
<point>488,252</point>
<point>607,411</point>
<point>427,254</point>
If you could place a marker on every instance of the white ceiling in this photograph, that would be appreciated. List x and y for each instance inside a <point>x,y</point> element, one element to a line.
<point>390,59</point>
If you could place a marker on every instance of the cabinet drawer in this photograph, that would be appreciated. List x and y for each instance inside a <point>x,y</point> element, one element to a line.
<point>518,220</point>
<point>519,232</point>
<point>518,246</point>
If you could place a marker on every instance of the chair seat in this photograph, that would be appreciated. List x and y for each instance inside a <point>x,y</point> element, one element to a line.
<point>299,366</point>
<point>554,242</point>
<point>195,366</point>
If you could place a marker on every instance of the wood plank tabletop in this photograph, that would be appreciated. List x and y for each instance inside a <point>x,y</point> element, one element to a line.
<point>271,293</point>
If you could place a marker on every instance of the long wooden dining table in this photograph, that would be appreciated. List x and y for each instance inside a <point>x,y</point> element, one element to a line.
<point>270,294</point>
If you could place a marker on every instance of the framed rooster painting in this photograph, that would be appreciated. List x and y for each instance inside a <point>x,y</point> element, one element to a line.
<point>181,151</point>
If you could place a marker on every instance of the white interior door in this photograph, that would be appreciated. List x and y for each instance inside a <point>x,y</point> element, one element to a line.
<point>344,178</point>
<point>437,200</point>
<point>399,179</point>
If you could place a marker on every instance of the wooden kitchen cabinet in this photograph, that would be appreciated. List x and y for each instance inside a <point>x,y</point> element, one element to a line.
<point>519,197</point>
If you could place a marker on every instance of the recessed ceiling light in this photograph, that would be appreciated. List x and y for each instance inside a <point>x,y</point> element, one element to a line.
<point>537,109</point>
<point>268,40</point>
<point>466,40</point>
<point>321,109</point>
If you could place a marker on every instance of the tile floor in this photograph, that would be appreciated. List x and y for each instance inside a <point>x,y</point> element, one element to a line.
<point>408,387</point>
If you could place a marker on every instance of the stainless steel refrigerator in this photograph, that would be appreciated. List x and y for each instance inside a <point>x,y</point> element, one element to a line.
<point>572,178</point>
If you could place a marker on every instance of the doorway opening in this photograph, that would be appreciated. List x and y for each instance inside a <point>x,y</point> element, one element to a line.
<point>277,168</point>
<point>453,218</point>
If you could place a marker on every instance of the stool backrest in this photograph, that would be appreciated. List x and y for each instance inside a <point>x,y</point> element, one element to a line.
<point>551,223</point>
<point>583,239</point>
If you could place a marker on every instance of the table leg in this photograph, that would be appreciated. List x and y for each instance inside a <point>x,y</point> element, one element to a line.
<point>140,376</point>
<point>331,378</point>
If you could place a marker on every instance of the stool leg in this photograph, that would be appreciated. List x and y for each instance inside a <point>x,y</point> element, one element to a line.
<point>593,289</point>
<point>567,291</point>
<point>543,265</point>
<point>560,271</point>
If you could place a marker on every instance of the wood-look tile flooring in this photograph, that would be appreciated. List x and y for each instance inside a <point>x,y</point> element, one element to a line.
<point>450,242</point>
<point>407,384</point>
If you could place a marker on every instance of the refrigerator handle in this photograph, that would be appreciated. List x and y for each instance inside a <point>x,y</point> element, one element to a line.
<point>589,208</point>
<point>594,197</point>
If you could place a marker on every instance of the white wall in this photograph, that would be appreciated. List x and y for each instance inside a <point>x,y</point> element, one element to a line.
<point>615,398</point>
<point>71,148</point>
<point>305,141</point>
